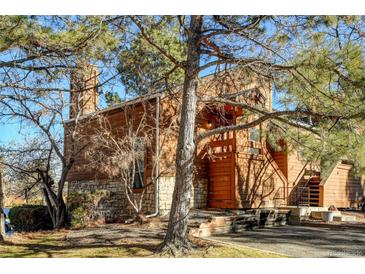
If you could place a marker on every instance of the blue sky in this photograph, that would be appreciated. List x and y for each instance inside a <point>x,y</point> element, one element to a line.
<point>9,132</point>
<point>14,131</point>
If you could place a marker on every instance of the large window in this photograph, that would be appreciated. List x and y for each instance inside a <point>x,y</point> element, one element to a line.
<point>140,151</point>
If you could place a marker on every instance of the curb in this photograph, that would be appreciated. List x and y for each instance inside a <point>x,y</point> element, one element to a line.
<point>333,226</point>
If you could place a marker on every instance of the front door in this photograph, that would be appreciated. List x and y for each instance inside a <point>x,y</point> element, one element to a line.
<point>221,190</point>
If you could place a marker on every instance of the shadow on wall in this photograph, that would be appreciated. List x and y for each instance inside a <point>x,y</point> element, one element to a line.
<point>256,183</point>
<point>355,192</point>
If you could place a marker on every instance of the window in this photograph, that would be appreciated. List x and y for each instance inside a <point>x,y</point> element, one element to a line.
<point>139,174</point>
<point>254,138</point>
<point>253,150</point>
<point>139,164</point>
<point>301,156</point>
<point>254,135</point>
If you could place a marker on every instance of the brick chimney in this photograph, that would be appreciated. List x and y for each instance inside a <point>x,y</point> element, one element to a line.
<point>84,91</point>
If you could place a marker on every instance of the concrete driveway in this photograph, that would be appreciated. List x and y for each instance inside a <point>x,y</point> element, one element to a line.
<point>300,241</point>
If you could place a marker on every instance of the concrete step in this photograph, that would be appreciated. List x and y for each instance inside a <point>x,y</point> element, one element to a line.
<point>320,215</point>
<point>344,218</point>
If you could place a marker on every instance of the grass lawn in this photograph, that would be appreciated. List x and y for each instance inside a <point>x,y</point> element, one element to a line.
<point>58,245</point>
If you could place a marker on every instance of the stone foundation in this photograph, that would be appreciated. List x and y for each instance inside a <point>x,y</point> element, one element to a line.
<point>114,205</point>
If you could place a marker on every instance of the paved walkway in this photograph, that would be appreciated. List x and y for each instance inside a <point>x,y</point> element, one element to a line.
<point>299,241</point>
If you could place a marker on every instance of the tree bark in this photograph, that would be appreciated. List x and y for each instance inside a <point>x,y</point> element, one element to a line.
<point>2,219</point>
<point>57,211</point>
<point>55,203</point>
<point>176,239</point>
<point>61,215</point>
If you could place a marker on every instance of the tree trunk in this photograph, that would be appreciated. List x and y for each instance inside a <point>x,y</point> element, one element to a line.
<point>56,207</point>
<point>141,218</point>
<point>2,218</point>
<point>61,215</point>
<point>176,239</point>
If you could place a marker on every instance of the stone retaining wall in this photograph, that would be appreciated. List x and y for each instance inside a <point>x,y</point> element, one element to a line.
<point>114,205</point>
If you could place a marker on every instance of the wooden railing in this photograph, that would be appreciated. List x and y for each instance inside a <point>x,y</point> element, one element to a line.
<point>220,146</point>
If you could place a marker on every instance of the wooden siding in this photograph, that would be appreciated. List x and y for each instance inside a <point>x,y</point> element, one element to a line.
<point>258,176</point>
<point>169,123</point>
<point>342,189</point>
<point>222,177</point>
<point>294,167</point>
<point>83,168</point>
<point>281,160</point>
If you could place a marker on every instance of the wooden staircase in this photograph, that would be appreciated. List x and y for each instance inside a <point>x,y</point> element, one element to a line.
<point>307,192</point>
<point>314,190</point>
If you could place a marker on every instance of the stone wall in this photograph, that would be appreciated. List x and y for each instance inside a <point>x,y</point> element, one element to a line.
<point>114,205</point>
<point>200,193</point>
<point>166,190</point>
